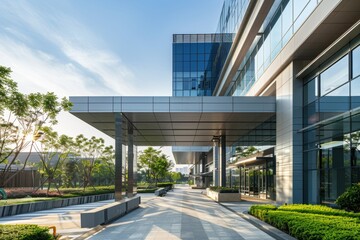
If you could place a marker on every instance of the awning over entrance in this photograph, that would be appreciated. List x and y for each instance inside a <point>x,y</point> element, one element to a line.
<point>176,121</point>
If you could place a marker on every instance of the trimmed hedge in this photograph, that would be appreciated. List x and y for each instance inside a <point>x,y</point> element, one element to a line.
<point>317,209</point>
<point>350,200</point>
<point>224,190</point>
<point>260,211</point>
<point>149,190</point>
<point>310,222</point>
<point>25,232</point>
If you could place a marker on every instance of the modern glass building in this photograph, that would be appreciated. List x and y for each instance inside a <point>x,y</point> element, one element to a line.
<point>269,103</point>
<point>197,62</point>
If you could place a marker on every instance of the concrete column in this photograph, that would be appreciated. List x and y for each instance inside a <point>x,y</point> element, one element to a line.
<point>223,162</point>
<point>130,185</point>
<point>216,159</point>
<point>118,157</point>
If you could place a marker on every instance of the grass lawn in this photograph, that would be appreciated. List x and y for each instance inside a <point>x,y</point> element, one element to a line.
<point>26,195</point>
<point>313,222</point>
<point>25,200</point>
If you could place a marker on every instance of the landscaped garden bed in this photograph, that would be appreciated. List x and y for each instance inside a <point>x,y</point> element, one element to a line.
<point>310,221</point>
<point>28,195</point>
<point>25,232</point>
<point>148,188</point>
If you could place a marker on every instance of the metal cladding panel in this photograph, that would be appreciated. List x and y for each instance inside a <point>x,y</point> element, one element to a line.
<point>189,121</point>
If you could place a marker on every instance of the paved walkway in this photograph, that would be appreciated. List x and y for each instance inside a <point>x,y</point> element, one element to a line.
<point>182,214</point>
<point>66,219</point>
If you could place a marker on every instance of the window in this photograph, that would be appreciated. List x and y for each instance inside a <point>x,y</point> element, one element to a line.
<point>355,93</point>
<point>311,91</point>
<point>356,62</point>
<point>334,76</point>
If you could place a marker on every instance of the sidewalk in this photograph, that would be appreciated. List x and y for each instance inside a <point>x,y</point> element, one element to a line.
<point>66,219</point>
<point>183,214</point>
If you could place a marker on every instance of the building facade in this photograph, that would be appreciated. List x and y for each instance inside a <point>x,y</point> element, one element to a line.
<point>273,95</point>
<point>316,158</point>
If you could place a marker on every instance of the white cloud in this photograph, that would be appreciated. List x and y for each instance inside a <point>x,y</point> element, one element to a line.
<point>75,63</point>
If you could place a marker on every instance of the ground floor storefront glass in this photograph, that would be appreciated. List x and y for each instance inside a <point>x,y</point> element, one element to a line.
<point>332,126</point>
<point>334,165</point>
<point>258,180</point>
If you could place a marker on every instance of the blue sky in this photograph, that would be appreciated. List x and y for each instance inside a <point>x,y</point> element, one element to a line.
<point>97,47</point>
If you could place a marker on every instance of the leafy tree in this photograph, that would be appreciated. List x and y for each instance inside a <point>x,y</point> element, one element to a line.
<point>246,151</point>
<point>155,163</point>
<point>21,117</point>
<point>71,172</point>
<point>53,151</point>
<point>104,170</point>
<point>88,151</point>
<point>175,176</point>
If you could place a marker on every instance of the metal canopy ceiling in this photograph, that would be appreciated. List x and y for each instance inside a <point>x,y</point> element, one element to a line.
<point>176,121</point>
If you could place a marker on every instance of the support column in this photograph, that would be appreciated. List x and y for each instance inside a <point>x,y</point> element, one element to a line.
<point>216,172</point>
<point>223,162</point>
<point>289,151</point>
<point>118,157</point>
<point>203,162</point>
<point>130,185</point>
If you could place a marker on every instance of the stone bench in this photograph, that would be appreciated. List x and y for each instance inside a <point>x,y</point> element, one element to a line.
<point>160,192</point>
<point>109,212</point>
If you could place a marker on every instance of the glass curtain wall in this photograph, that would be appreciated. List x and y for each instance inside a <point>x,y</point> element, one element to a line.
<point>332,123</point>
<point>286,20</point>
<point>197,60</point>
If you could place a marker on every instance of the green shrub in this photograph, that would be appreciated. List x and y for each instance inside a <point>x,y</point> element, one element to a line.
<point>260,211</point>
<point>310,221</point>
<point>224,189</point>
<point>25,232</point>
<point>148,190</point>
<point>77,192</point>
<point>350,200</point>
<point>170,185</point>
<point>314,226</point>
<point>317,209</point>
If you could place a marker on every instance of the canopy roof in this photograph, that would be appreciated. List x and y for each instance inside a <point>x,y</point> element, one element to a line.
<point>176,121</point>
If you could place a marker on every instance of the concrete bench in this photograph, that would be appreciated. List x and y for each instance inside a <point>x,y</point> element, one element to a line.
<point>160,192</point>
<point>108,212</point>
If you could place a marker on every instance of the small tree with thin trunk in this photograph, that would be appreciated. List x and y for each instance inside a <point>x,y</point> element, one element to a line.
<point>21,117</point>
<point>53,151</point>
<point>88,151</point>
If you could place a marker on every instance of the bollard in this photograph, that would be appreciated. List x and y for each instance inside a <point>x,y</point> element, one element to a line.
<point>54,230</point>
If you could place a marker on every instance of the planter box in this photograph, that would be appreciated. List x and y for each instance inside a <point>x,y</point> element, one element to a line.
<point>109,212</point>
<point>223,197</point>
<point>45,205</point>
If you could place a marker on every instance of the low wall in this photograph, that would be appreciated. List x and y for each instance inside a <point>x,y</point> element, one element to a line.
<point>45,205</point>
<point>223,197</point>
<point>109,212</point>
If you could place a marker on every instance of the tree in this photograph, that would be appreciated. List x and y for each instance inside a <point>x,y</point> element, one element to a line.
<point>175,176</point>
<point>104,169</point>
<point>53,151</point>
<point>71,172</point>
<point>246,151</point>
<point>89,152</point>
<point>156,164</point>
<point>21,118</point>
